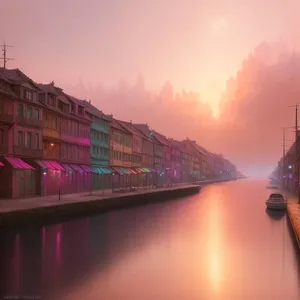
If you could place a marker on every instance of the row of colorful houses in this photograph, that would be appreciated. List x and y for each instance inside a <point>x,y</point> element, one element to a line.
<point>52,142</point>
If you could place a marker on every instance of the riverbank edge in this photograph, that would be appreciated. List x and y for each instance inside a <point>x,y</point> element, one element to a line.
<point>67,211</point>
<point>294,219</point>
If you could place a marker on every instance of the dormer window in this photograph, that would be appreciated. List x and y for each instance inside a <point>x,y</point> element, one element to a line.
<point>28,95</point>
<point>51,100</point>
<point>73,108</point>
<point>80,110</point>
<point>42,98</point>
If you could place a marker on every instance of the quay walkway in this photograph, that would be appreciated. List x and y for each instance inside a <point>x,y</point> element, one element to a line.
<point>57,208</point>
<point>9,205</point>
<point>293,210</point>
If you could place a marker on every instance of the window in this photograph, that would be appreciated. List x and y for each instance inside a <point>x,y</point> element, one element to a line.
<point>51,100</point>
<point>28,140</point>
<point>1,107</point>
<point>37,138</point>
<point>2,136</point>
<point>73,108</point>
<point>28,95</point>
<point>36,114</point>
<point>42,98</point>
<point>20,138</point>
<point>54,122</point>
<point>80,110</point>
<point>20,110</point>
<point>29,112</point>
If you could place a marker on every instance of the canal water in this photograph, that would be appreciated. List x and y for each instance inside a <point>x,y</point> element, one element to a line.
<point>218,244</point>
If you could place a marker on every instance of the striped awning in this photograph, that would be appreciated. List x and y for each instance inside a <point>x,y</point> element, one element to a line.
<point>67,167</point>
<point>145,170</point>
<point>106,170</point>
<point>76,168</point>
<point>125,171</point>
<point>18,163</point>
<point>50,164</point>
<point>101,170</point>
<point>87,169</point>
<point>117,170</point>
<point>132,171</point>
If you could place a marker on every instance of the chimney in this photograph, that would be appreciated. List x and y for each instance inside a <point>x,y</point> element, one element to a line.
<point>90,101</point>
<point>130,123</point>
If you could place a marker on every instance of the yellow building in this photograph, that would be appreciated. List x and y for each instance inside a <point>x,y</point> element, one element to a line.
<point>120,155</point>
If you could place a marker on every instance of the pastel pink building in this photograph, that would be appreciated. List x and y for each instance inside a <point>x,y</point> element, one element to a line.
<point>65,167</point>
<point>20,133</point>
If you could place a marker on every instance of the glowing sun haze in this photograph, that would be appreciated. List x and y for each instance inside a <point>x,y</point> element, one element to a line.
<point>97,48</point>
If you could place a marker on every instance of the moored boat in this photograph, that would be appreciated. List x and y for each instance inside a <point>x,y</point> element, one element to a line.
<point>277,202</point>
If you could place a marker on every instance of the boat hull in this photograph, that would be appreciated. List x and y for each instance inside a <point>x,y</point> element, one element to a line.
<point>276,206</point>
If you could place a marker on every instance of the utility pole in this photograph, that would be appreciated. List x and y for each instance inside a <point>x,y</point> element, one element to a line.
<point>5,58</point>
<point>284,165</point>
<point>297,149</point>
<point>296,120</point>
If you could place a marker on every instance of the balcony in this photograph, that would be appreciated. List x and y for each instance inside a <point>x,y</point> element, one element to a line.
<point>3,149</point>
<point>29,122</point>
<point>5,118</point>
<point>27,152</point>
<point>51,154</point>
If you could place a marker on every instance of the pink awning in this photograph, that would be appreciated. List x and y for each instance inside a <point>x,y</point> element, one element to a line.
<point>50,164</point>
<point>87,169</point>
<point>18,163</point>
<point>54,165</point>
<point>67,167</point>
<point>1,164</point>
<point>76,168</point>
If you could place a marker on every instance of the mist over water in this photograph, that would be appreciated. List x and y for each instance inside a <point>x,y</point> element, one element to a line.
<point>222,73</point>
<point>252,108</point>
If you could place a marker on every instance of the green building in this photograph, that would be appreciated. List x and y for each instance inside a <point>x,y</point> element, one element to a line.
<point>100,141</point>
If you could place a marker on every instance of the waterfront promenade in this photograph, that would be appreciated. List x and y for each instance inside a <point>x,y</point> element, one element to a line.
<point>9,205</point>
<point>293,210</point>
<point>56,208</point>
<point>294,217</point>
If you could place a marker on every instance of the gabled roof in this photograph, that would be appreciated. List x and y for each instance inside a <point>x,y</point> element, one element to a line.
<point>129,127</point>
<point>176,144</point>
<point>161,138</point>
<point>116,125</point>
<point>94,110</point>
<point>144,129</point>
<point>199,149</point>
<point>50,88</point>
<point>16,76</point>
<point>74,100</point>
<point>6,88</point>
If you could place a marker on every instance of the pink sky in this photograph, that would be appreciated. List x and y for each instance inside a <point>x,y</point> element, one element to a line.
<point>189,43</point>
<point>196,45</point>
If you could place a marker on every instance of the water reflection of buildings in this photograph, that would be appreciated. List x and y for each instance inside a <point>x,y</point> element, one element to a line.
<point>54,259</point>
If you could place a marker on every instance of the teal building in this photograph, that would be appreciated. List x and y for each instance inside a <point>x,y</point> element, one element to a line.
<point>100,141</point>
